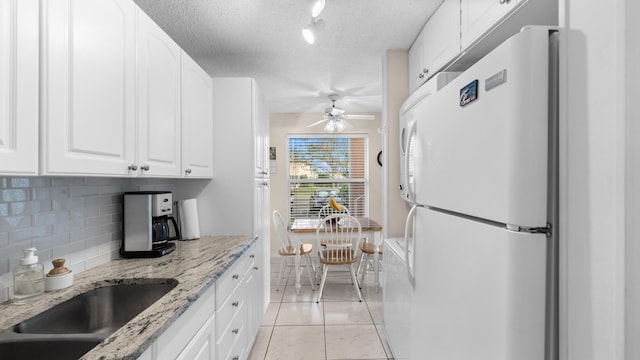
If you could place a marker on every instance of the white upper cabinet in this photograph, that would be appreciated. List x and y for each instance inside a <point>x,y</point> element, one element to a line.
<point>437,44</point>
<point>88,87</point>
<point>416,60</point>
<point>19,87</point>
<point>479,16</point>
<point>197,120</point>
<point>260,134</point>
<point>158,90</point>
<point>442,37</point>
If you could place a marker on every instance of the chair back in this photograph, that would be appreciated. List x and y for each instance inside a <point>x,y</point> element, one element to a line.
<point>340,233</point>
<point>328,210</point>
<point>281,230</point>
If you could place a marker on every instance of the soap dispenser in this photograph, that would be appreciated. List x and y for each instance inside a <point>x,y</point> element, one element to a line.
<point>28,278</point>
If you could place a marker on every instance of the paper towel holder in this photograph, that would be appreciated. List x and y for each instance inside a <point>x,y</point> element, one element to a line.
<point>190,231</point>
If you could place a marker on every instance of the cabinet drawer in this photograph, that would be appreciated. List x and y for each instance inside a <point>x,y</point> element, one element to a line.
<point>233,337</point>
<point>231,279</point>
<point>230,309</point>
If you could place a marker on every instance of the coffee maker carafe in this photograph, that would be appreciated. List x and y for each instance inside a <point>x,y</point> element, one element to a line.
<point>148,224</point>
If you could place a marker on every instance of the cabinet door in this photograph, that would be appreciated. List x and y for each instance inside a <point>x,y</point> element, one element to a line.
<point>203,344</point>
<point>88,97</point>
<point>416,57</point>
<point>260,126</point>
<point>197,120</point>
<point>478,16</point>
<point>19,87</point>
<point>441,37</point>
<point>158,91</point>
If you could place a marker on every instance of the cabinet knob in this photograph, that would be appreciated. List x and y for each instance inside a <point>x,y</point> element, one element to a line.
<point>188,171</point>
<point>264,172</point>
<point>421,76</point>
<point>235,304</point>
<point>145,167</point>
<point>252,256</point>
<point>236,276</point>
<point>425,71</point>
<point>235,331</point>
<point>133,167</point>
<point>236,358</point>
<point>504,1</point>
<point>255,268</point>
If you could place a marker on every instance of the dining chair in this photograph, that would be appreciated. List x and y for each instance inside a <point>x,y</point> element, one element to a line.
<point>342,233</point>
<point>328,210</point>
<point>367,251</point>
<point>288,250</point>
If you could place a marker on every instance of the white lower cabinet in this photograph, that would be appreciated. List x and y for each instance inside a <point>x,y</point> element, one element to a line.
<point>203,345</point>
<point>222,324</point>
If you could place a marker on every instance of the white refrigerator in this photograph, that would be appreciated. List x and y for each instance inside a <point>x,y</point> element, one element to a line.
<point>482,263</point>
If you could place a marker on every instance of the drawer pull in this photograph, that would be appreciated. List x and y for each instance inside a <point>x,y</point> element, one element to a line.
<point>252,256</point>
<point>236,358</point>
<point>235,304</point>
<point>236,276</point>
<point>255,268</point>
<point>235,331</point>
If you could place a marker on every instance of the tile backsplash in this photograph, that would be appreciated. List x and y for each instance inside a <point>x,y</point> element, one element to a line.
<point>75,218</point>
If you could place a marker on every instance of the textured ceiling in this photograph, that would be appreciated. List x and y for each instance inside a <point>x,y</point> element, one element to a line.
<point>262,39</point>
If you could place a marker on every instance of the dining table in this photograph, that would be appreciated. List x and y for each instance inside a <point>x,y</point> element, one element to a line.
<point>305,229</point>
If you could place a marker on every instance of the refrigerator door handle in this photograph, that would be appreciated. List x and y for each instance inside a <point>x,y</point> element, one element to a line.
<point>410,190</point>
<point>410,272</point>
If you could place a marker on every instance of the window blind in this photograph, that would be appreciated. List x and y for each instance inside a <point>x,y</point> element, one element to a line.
<point>325,166</point>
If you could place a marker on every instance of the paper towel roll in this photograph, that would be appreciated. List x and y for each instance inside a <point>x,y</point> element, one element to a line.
<point>188,217</point>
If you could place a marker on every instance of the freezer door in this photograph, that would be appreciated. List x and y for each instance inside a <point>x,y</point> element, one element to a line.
<point>488,157</point>
<point>479,291</point>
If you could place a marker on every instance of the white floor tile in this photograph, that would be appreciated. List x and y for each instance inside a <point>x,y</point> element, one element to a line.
<point>270,315</point>
<point>305,313</point>
<point>339,292</point>
<point>346,313</point>
<point>297,343</point>
<point>307,294</point>
<point>259,349</point>
<point>353,342</point>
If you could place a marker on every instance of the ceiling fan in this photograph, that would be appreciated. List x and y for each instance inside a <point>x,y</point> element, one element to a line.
<point>336,118</point>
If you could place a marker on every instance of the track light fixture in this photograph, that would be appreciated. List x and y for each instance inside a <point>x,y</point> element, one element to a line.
<point>310,31</point>
<point>316,9</point>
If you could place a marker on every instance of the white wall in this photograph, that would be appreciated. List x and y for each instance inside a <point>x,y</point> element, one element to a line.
<point>592,206</point>
<point>632,278</point>
<point>396,85</point>
<point>282,125</point>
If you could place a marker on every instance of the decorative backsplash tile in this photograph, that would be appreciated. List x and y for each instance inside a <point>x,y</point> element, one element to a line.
<point>76,218</point>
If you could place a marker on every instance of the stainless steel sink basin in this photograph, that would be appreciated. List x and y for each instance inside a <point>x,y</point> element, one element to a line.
<point>46,349</point>
<point>99,311</point>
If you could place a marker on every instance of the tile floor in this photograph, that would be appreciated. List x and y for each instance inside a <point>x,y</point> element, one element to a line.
<point>340,327</point>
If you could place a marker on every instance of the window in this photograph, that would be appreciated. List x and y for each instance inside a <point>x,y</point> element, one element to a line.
<point>325,166</point>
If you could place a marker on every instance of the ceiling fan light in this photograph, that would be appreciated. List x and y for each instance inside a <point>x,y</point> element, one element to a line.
<point>330,126</point>
<point>317,8</point>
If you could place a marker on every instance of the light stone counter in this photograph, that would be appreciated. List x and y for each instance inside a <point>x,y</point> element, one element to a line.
<point>195,264</point>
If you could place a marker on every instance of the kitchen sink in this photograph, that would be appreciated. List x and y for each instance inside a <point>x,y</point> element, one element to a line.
<point>46,349</point>
<point>101,310</point>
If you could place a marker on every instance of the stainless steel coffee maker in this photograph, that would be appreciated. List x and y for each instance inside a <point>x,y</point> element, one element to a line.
<point>148,224</point>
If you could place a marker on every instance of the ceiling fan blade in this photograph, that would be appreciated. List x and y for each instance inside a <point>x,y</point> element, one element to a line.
<point>317,122</point>
<point>360,117</point>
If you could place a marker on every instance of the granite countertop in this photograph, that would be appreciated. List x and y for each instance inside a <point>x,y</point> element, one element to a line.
<point>195,264</point>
